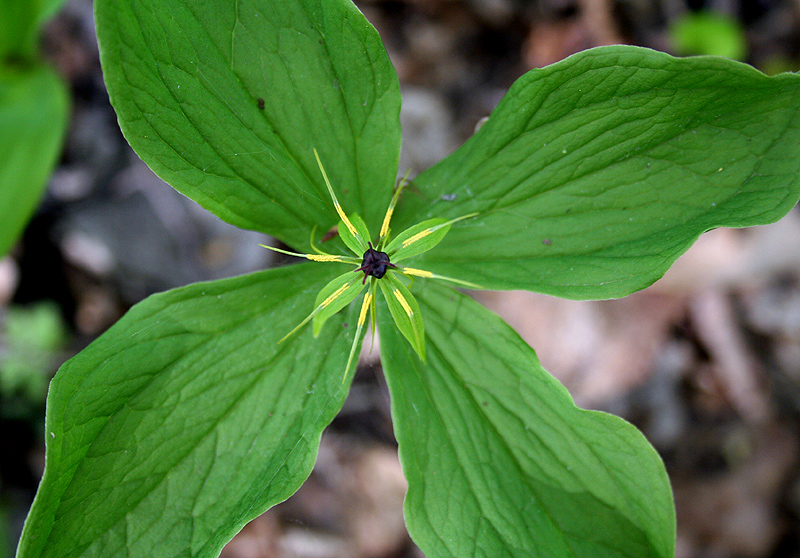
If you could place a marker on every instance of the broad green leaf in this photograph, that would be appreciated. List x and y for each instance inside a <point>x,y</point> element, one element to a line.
<point>188,78</point>
<point>20,21</point>
<point>187,419</point>
<point>336,295</point>
<point>33,118</point>
<point>594,174</point>
<point>500,462</point>
<point>405,311</point>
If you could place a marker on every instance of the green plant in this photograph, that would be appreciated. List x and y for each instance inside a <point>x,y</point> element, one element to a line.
<point>709,33</point>
<point>33,114</point>
<point>196,412</point>
<point>29,341</point>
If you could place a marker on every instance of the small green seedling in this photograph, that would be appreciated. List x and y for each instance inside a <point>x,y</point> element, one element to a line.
<point>377,264</point>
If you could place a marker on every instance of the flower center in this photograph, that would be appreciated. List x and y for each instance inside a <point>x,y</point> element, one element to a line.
<point>374,263</point>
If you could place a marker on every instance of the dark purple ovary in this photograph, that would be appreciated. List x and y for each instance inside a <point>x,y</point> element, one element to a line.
<point>374,263</point>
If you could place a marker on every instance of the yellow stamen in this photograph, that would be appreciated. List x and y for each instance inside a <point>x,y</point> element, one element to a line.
<point>419,236</point>
<point>422,234</point>
<point>428,275</point>
<point>336,205</point>
<point>364,307</point>
<point>336,294</point>
<point>323,257</point>
<point>392,204</point>
<point>386,219</point>
<point>324,304</point>
<point>403,302</point>
<point>361,317</point>
<point>345,220</point>
<point>313,257</point>
<point>417,272</point>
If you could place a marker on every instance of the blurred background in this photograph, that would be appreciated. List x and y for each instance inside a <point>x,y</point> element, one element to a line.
<point>706,362</point>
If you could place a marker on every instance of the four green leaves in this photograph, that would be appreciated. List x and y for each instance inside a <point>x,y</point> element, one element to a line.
<point>203,406</point>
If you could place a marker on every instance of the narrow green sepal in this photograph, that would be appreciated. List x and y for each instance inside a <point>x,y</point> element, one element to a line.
<point>334,296</point>
<point>405,311</point>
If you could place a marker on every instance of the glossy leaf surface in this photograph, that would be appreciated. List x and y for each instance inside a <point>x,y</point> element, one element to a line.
<point>500,462</point>
<point>188,80</point>
<point>187,419</point>
<point>594,174</point>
